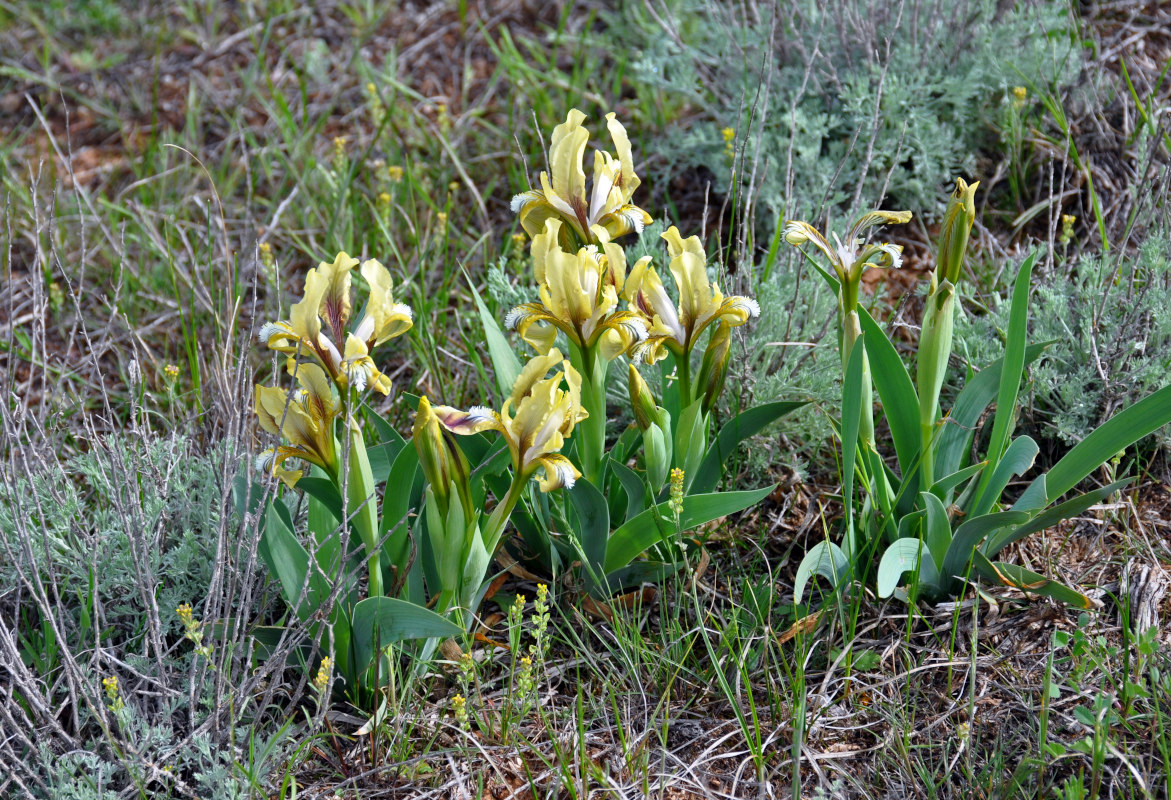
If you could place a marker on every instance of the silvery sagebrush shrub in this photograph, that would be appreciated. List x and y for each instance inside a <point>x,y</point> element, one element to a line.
<point>108,685</point>
<point>855,101</point>
<point>1105,318</point>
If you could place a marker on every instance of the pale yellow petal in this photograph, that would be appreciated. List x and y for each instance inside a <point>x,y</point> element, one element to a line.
<point>532,372</point>
<point>566,152</point>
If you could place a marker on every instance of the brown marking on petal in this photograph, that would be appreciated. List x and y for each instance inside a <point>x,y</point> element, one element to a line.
<point>333,310</point>
<point>579,208</point>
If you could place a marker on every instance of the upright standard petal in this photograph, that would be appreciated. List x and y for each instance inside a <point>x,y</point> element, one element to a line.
<point>383,318</point>
<point>602,214</point>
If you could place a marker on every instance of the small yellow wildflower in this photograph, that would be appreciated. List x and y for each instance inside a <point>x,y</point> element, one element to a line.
<point>56,296</point>
<point>384,198</point>
<point>1019,94</point>
<point>518,607</point>
<point>171,373</point>
<point>453,187</point>
<point>371,89</point>
<point>110,684</point>
<point>540,621</point>
<point>266,256</point>
<point>459,707</point>
<point>676,501</point>
<point>395,173</point>
<point>441,218</point>
<point>193,630</point>
<point>729,135</point>
<point>321,680</point>
<point>518,240</point>
<point>467,666</point>
<point>1067,223</point>
<point>339,154</point>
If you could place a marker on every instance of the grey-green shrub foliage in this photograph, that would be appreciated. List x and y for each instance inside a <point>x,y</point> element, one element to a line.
<point>132,523</point>
<point>1110,333</point>
<point>826,79</point>
<point>82,523</point>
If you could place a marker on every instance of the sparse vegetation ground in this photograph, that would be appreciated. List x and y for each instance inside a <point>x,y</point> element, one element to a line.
<point>169,173</point>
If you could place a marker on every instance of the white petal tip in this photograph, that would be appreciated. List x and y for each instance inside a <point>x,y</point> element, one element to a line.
<point>513,317</point>
<point>478,414</point>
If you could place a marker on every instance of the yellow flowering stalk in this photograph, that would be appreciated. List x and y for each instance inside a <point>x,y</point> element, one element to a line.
<point>597,216</point>
<point>849,260</point>
<point>304,419</point>
<point>319,321</point>
<point>113,694</point>
<point>321,679</point>
<point>536,421</point>
<point>676,328</point>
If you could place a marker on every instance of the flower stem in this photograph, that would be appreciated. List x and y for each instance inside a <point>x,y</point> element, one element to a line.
<point>362,501</point>
<point>494,527</point>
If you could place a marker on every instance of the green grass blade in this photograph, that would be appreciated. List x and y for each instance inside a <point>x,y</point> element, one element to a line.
<point>960,423</point>
<point>1047,519</point>
<point>1023,579</point>
<point>504,361</point>
<point>1017,460</point>
<point>945,484</point>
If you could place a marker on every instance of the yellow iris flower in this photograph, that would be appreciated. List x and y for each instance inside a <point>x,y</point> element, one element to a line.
<point>850,259</point>
<point>579,296</point>
<point>602,214</point>
<point>327,300</point>
<point>701,303</point>
<point>304,419</point>
<point>535,421</point>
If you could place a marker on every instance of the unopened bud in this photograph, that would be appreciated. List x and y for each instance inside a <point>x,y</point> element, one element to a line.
<point>443,463</point>
<point>641,399</point>
<point>714,366</point>
<point>953,236</point>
